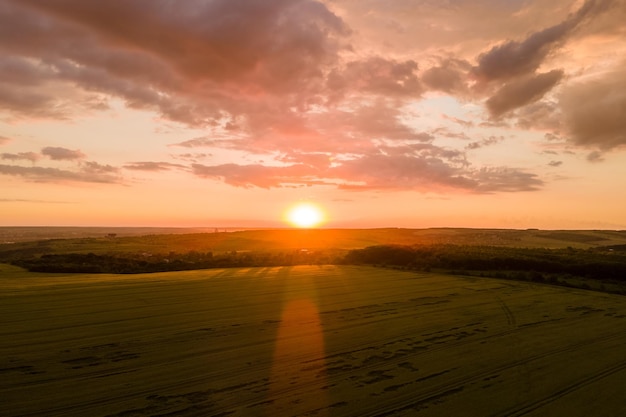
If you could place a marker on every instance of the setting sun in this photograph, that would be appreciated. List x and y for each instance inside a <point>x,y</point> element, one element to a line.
<point>305,215</point>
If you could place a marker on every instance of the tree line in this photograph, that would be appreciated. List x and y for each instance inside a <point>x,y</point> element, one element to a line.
<point>135,263</point>
<point>601,264</point>
<point>531,263</point>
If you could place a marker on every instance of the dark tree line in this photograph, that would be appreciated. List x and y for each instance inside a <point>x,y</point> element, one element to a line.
<point>586,263</point>
<point>129,263</point>
<point>519,263</point>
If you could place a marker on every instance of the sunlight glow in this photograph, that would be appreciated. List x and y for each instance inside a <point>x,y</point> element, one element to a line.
<point>305,215</point>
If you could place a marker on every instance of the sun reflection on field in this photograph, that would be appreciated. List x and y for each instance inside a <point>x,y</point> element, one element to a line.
<point>298,364</point>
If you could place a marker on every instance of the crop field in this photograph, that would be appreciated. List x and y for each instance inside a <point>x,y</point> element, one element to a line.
<point>306,341</point>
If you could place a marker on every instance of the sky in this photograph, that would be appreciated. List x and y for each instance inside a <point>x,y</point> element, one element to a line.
<point>224,113</point>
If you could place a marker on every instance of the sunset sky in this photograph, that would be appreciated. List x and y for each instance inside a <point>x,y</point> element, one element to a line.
<point>401,113</point>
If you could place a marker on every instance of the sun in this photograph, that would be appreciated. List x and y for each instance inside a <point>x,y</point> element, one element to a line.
<point>305,215</point>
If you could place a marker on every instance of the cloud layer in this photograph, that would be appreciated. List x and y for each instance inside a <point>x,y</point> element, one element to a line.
<point>292,83</point>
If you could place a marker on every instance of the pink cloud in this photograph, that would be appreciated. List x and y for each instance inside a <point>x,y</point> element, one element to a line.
<point>376,75</point>
<point>421,168</point>
<point>284,81</point>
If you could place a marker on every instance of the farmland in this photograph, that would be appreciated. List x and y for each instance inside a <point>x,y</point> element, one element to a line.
<point>309,340</point>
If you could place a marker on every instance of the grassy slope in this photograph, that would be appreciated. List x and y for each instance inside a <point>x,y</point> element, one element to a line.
<point>306,340</point>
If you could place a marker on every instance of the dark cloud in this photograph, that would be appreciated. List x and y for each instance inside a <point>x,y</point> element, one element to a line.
<point>520,92</point>
<point>513,58</point>
<point>24,156</point>
<point>274,43</point>
<point>555,163</point>
<point>62,154</point>
<point>33,103</point>
<point>19,70</point>
<point>594,111</point>
<point>198,64</point>
<point>152,166</point>
<point>4,140</point>
<point>54,175</point>
<point>450,76</point>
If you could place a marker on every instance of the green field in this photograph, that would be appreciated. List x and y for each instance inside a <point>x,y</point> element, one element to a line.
<point>306,341</point>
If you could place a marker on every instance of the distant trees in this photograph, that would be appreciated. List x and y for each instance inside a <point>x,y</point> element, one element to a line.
<point>555,266</point>
<point>589,263</point>
<point>133,263</point>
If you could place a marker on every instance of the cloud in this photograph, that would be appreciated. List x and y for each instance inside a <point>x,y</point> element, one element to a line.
<point>26,156</point>
<point>91,174</point>
<point>377,75</point>
<point>595,156</point>
<point>420,167</point>
<point>491,140</point>
<point>69,57</point>
<point>555,163</point>
<point>513,58</point>
<point>256,175</point>
<point>594,111</point>
<point>33,103</point>
<point>463,123</point>
<point>200,142</point>
<point>401,171</point>
<point>152,166</point>
<point>499,179</point>
<point>289,83</point>
<point>544,115</point>
<point>95,168</point>
<point>520,92</point>
<point>450,76</point>
<point>62,154</point>
<point>4,140</point>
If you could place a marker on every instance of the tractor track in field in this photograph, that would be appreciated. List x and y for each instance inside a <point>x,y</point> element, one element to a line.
<point>262,385</point>
<point>581,383</point>
<point>409,400</point>
<point>437,392</point>
<point>193,364</point>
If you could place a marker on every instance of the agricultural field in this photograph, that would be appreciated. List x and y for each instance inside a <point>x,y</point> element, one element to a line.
<point>46,240</point>
<point>310,340</point>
